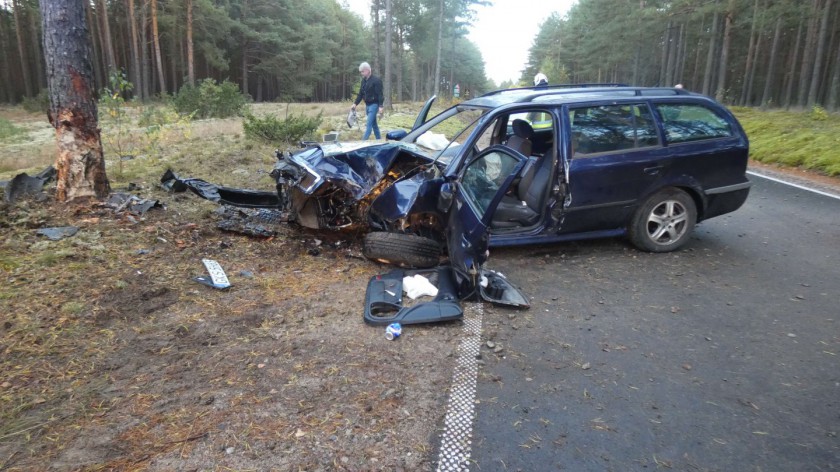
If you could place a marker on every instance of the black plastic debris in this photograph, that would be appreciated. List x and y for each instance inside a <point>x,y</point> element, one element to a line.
<point>58,233</point>
<point>24,185</point>
<point>126,202</point>
<point>258,222</point>
<point>230,196</point>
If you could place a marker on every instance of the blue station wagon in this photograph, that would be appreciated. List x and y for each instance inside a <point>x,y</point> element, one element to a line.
<point>524,166</point>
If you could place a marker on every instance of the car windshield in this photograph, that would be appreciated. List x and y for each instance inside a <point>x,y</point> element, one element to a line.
<point>443,139</point>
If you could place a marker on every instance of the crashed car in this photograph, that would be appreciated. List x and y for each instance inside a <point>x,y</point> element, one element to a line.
<point>524,166</point>
<point>648,163</point>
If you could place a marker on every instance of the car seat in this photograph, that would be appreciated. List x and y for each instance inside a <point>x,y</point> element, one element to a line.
<point>524,207</point>
<point>522,138</point>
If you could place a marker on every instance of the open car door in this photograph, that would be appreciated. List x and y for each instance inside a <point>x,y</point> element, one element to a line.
<point>424,113</point>
<point>478,190</point>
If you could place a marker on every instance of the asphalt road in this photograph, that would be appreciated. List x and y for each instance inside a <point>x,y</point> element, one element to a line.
<point>724,356</point>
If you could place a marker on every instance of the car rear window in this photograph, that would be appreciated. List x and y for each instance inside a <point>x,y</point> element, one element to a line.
<point>692,122</point>
<point>611,128</point>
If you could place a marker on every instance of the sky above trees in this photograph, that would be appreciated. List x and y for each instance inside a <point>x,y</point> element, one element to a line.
<point>503,30</point>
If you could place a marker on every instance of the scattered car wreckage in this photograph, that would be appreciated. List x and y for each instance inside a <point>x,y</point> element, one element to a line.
<point>512,167</point>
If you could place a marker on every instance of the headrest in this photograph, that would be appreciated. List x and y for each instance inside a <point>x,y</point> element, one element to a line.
<point>523,129</point>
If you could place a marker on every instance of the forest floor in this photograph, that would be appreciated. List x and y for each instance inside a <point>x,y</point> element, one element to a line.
<point>112,357</point>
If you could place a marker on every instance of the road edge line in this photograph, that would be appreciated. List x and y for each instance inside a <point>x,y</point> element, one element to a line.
<point>801,187</point>
<point>456,439</point>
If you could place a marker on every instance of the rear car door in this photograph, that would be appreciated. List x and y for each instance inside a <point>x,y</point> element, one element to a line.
<point>616,158</point>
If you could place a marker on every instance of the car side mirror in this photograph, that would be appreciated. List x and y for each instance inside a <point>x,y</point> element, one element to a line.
<point>396,135</point>
<point>447,194</point>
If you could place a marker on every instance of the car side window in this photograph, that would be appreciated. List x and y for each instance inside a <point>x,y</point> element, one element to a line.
<point>691,122</point>
<point>611,128</point>
<point>484,177</point>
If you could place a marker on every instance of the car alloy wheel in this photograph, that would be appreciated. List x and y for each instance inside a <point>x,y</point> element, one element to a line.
<point>664,222</point>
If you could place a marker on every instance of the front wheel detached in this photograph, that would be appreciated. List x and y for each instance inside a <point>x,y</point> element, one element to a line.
<point>664,222</point>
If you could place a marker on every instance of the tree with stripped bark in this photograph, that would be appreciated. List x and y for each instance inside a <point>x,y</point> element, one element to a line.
<point>73,113</point>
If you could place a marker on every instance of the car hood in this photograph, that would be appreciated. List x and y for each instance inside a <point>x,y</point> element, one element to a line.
<point>355,167</point>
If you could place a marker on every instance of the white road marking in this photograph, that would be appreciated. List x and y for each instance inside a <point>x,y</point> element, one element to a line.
<point>801,187</point>
<point>456,440</point>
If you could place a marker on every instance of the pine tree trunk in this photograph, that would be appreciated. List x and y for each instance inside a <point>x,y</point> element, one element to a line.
<point>766,97</point>
<point>388,39</point>
<point>106,33</point>
<point>751,75</point>
<point>145,66</point>
<point>750,52</point>
<point>377,27</point>
<point>400,66</point>
<point>244,51</point>
<point>807,67</point>
<point>24,58</point>
<point>707,75</point>
<point>190,54</point>
<point>792,66</point>
<point>724,53</point>
<point>36,46</point>
<point>80,164</point>
<point>695,74</point>
<point>99,76</point>
<point>156,40</point>
<point>6,93</point>
<point>834,85</point>
<point>135,51</point>
<point>823,34</point>
<point>439,46</point>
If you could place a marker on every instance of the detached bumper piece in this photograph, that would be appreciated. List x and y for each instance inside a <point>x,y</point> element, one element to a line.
<point>384,299</point>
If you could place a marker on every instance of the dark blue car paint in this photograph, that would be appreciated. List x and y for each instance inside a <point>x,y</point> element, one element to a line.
<point>356,172</point>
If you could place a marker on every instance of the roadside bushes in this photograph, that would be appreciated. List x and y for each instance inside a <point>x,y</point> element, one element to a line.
<point>271,129</point>
<point>210,100</point>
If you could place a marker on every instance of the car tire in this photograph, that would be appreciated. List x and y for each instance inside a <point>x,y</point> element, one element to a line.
<point>406,250</point>
<point>664,222</point>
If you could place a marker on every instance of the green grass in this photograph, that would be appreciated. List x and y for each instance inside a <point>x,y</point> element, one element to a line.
<point>8,130</point>
<point>807,139</point>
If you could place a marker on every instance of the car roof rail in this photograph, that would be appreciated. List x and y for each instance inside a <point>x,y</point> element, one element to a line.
<point>556,86</point>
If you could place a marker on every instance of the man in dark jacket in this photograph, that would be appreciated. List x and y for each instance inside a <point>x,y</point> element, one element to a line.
<point>371,93</point>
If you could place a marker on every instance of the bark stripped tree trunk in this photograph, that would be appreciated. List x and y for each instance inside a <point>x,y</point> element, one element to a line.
<point>80,163</point>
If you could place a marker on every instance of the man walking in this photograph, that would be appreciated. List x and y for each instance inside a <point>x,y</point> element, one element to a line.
<point>371,93</point>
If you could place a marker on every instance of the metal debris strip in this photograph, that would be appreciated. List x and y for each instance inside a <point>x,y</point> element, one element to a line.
<point>218,278</point>
<point>456,440</point>
<point>58,233</point>
<point>133,204</point>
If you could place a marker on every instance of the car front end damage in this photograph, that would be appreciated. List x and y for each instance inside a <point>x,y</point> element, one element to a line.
<point>350,187</point>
